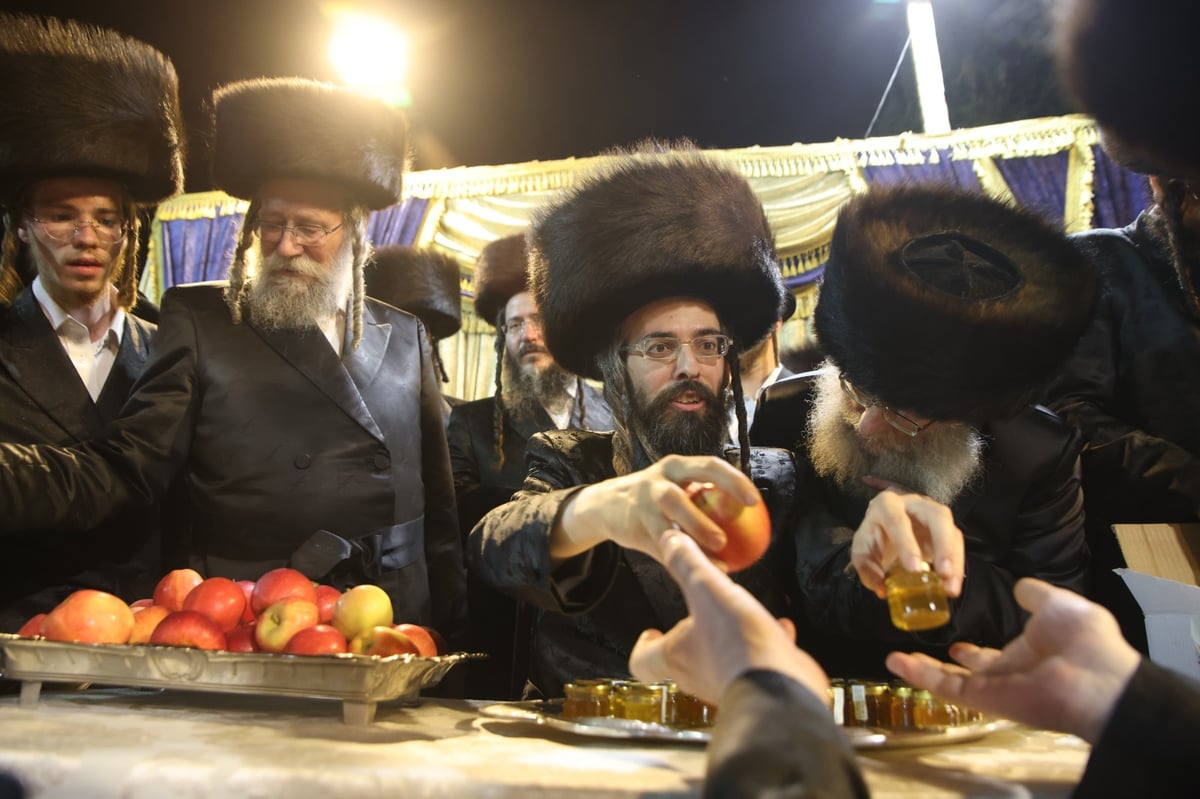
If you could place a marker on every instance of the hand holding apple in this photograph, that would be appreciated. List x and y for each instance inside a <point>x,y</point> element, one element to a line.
<point>747,527</point>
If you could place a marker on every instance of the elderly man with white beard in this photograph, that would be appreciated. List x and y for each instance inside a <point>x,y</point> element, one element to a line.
<point>302,420</point>
<point>942,315</point>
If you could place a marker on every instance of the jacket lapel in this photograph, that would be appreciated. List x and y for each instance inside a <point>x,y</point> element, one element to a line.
<point>34,358</point>
<point>129,364</point>
<point>310,354</point>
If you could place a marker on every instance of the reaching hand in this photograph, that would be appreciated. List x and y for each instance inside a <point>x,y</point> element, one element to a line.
<point>1064,672</point>
<point>726,633</point>
<point>633,509</point>
<point>901,525</point>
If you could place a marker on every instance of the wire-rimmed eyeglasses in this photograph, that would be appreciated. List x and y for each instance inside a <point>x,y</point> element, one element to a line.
<point>907,426</point>
<point>518,324</point>
<point>706,348</point>
<point>302,235</point>
<point>64,227</point>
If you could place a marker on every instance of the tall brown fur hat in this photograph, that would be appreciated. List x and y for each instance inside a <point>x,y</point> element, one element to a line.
<point>949,304</point>
<point>500,272</point>
<point>1134,67</point>
<point>295,128</point>
<point>648,225</point>
<point>422,282</point>
<point>78,100</point>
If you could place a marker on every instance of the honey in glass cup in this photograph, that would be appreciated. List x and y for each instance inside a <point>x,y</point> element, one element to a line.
<point>917,600</point>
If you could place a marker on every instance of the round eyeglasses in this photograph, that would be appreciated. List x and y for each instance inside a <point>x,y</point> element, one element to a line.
<point>707,348</point>
<point>907,426</point>
<point>63,227</point>
<point>302,235</point>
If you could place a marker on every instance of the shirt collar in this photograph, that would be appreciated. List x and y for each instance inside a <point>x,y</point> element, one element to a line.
<point>58,317</point>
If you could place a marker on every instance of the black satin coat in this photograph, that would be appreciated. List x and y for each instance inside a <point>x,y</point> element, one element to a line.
<point>588,629</point>
<point>287,454</point>
<point>1022,517</point>
<point>43,401</point>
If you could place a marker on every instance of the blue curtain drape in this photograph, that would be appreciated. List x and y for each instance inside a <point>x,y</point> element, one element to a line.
<point>1119,194</point>
<point>944,170</point>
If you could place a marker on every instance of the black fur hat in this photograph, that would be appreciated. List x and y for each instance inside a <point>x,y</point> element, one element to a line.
<point>500,272</point>
<point>1134,67</point>
<point>295,128</point>
<point>80,100</point>
<point>646,226</point>
<point>949,304</point>
<point>422,282</point>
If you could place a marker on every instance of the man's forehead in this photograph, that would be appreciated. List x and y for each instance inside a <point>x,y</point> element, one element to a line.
<point>75,190</point>
<point>520,304</point>
<point>670,316</point>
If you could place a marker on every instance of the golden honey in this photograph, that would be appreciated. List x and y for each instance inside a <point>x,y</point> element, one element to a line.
<point>917,600</point>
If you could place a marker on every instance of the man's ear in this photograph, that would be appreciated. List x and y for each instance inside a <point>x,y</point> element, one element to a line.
<point>22,234</point>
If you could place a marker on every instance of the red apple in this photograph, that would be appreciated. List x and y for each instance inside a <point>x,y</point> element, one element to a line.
<point>174,587</point>
<point>283,619</point>
<point>247,587</point>
<point>426,646</point>
<point>33,627</point>
<point>279,583</point>
<point>141,603</point>
<point>219,598</point>
<point>91,617</point>
<point>241,639</point>
<point>321,639</point>
<point>442,647</point>
<point>382,642</point>
<point>327,597</point>
<point>360,608</point>
<point>747,527</point>
<point>188,628</point>
<point>145,620</point>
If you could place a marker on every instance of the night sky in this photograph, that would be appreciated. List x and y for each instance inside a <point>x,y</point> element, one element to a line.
<point>506,81</point>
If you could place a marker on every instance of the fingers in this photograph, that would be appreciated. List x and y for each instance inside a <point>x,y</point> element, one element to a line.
<point>1032,593</point>
<point>681,470</point>
<point>789,629</point>
<point>946,680</point>
<point>648,660</point>
<point>975,658</point>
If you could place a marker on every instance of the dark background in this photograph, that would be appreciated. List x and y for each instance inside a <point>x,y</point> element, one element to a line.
<point>507,81</point>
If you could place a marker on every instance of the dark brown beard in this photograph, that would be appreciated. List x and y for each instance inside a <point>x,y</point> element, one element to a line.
<point>666,431</point>
<point>526,393</point>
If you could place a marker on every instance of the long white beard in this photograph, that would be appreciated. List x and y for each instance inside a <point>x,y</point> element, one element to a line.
<point>285,302</point>
<point>940,461</point>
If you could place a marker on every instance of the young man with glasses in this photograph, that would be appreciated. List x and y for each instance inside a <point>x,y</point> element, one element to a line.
<point>943,315</point>
<point>75,177</point>
<point>487,440</point>
<point>633,292</point>
<point>303,420</point>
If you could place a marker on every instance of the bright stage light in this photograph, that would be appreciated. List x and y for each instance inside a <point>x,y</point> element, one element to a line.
<point>371,55</point>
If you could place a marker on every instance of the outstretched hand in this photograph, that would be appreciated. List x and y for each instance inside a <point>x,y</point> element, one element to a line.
<point>726,632</point>
<point>902,526</point>
<point>1064,672</point>
<point>633,509</point>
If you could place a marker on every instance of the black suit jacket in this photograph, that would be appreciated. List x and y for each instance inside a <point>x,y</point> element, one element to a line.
<point>43,401</point>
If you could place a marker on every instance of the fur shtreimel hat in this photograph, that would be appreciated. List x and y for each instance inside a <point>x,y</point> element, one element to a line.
<point>948,304</point>
<point>500,272</point>
<point>647,226</point>
<point>422,282</point>
<point>78,100</point>
<point>1134,67</point>
<point>294,128</point>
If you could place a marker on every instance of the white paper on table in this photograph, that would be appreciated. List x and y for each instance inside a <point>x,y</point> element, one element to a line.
<point>1169,607</point>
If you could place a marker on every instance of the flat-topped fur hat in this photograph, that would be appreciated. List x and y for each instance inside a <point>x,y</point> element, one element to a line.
<point>423,282</point>
<point>950,304</point>
<point>500,272</point>
<point>648,225</point>
<point>1134,67</point>
<point>273,128</point>
<point>78,100</point>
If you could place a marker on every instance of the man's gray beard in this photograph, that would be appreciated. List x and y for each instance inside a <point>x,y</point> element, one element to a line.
<point>279,302</point>
<point>526,391</point>
<point>662,430</point>
<point>939,462</point>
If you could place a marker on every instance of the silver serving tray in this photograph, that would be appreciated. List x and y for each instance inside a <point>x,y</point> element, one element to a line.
<point>548,713</point>
<point>359,681</point>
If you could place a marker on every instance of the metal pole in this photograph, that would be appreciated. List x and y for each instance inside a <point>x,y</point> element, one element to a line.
<point>928,65</point>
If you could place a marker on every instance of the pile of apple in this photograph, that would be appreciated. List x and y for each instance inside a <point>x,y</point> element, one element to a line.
<point>283,611</point>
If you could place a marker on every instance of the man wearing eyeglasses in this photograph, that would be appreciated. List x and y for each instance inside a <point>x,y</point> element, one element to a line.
<point>487,440</point>
<point>303,420</point>
<point>75,176</point>
<point>943,315</point>
<point>633,291</point>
